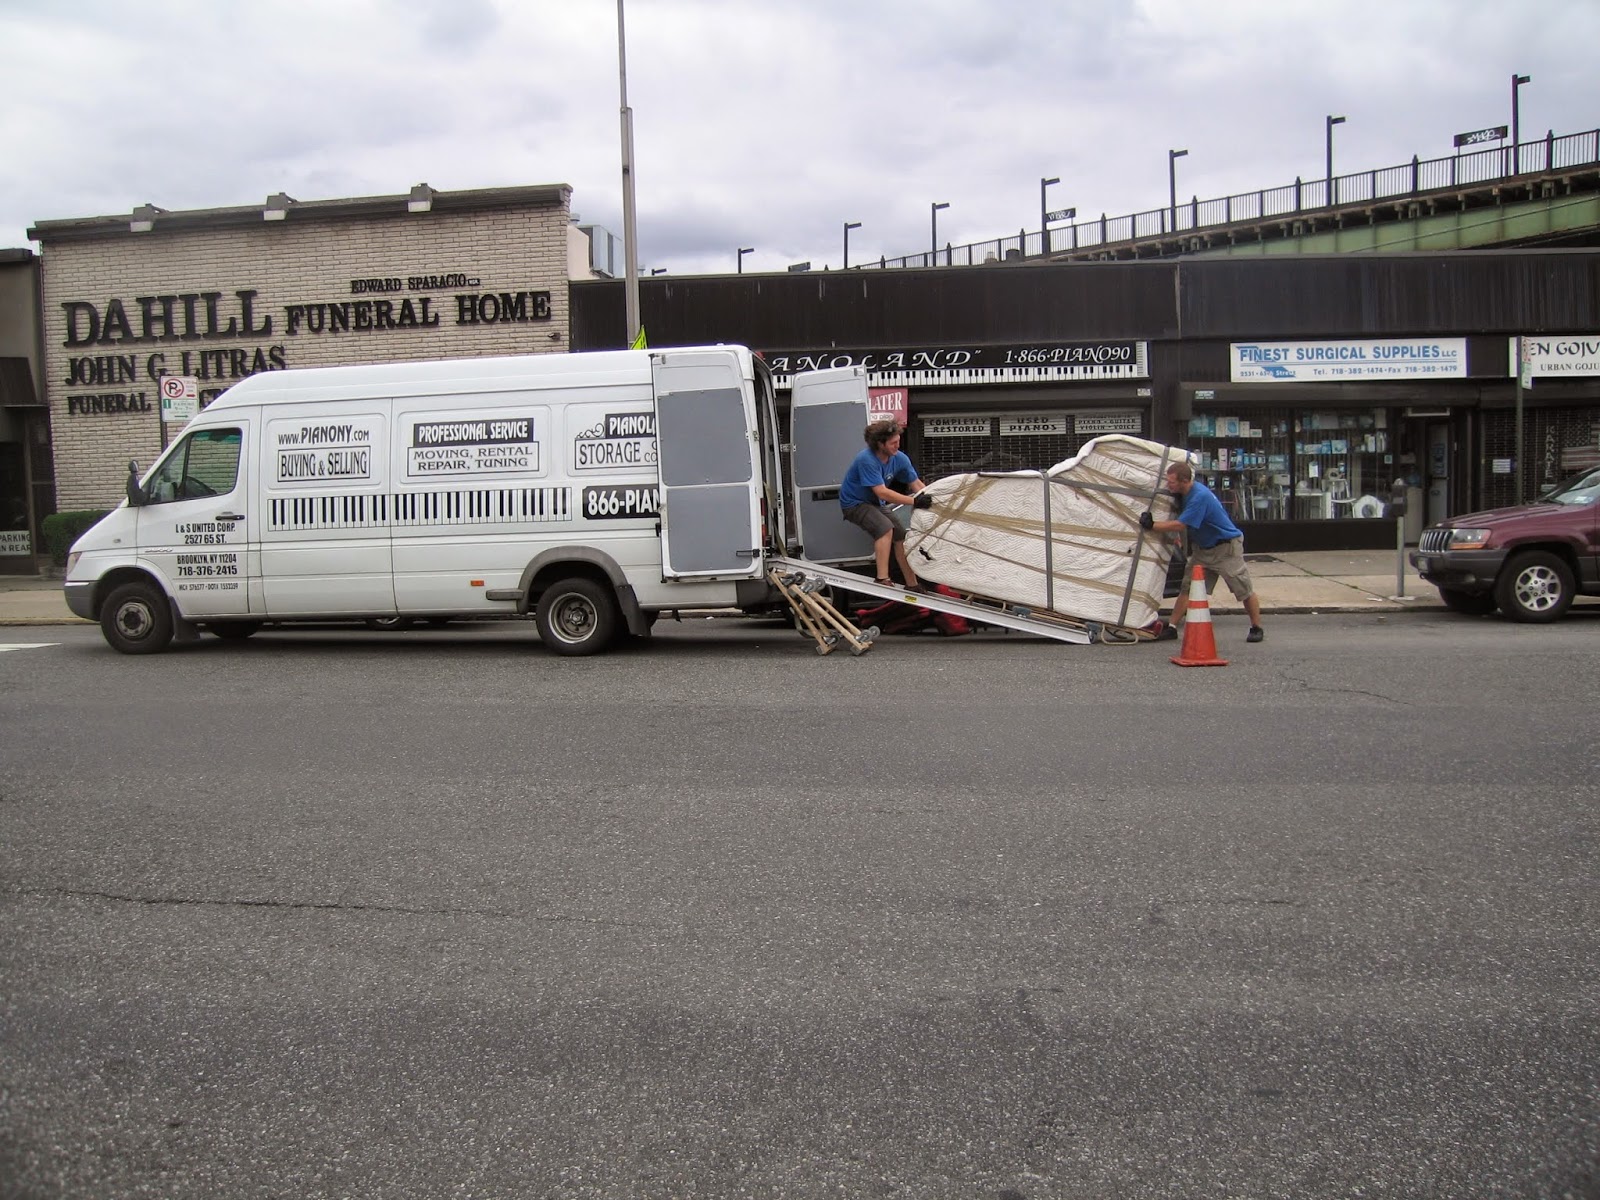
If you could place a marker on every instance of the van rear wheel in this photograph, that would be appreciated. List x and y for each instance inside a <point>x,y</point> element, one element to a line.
<point>577,616</point>
<point>136,619</point>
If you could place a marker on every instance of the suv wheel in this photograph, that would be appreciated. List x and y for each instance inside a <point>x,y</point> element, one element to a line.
<point>1534,586</point>
<point>1473,604</point>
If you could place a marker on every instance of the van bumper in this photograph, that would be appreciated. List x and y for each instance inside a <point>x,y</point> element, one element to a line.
<point>80,599</point>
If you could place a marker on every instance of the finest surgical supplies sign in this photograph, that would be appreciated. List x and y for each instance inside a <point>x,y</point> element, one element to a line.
<point>1570,354</point>
<point>1343,361</point>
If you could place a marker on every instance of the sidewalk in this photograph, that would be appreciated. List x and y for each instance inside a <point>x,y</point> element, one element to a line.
<point>1311,581</point>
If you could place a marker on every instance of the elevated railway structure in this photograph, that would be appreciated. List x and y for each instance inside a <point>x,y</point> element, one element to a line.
<point>1540,193</point>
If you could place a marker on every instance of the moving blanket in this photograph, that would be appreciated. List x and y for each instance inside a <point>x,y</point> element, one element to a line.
<point>986,534</point>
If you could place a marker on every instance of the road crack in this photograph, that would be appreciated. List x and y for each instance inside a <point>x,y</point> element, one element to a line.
<point>316,906</point>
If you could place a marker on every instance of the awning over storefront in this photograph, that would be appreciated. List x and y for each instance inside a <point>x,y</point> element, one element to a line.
<point>16,385</point>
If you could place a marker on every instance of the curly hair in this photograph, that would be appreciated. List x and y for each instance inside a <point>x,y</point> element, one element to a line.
<point>880,432</point>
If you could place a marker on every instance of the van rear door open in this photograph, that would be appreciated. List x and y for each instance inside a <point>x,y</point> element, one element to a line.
<point>710,477</point>
<point>829,414</point>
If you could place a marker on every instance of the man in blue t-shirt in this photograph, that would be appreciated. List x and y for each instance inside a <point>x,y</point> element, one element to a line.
<point>869,484</point>
<point>1215,542</point>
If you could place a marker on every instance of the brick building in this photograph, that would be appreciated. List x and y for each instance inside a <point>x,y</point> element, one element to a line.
<point>218,294</point>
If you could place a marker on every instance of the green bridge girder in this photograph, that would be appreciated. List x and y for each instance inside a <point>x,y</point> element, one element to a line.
<point>1556,218</point>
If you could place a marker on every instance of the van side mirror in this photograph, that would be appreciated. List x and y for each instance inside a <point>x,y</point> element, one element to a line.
<point>1397,498</point>
<point>136,496</point>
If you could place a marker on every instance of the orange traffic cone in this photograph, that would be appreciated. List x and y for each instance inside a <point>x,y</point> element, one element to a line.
<point>1199,641</point>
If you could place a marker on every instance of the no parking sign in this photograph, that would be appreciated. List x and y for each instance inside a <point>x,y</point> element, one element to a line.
<point>180,397</point>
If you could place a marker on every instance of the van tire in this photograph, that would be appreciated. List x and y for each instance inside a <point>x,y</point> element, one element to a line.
<point>136,619</point>
<point>577,616</point>
<point>1534,586</point>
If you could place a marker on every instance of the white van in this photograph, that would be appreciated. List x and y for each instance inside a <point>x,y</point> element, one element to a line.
<point>593,491</point>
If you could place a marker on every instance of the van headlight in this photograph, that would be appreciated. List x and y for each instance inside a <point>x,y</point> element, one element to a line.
<point>72,562</point>
<point>1469,539</point>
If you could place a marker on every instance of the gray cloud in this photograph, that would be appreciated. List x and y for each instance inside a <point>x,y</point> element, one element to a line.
<point>758,123</point>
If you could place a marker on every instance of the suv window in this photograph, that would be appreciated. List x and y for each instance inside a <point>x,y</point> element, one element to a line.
<point>1580,489</point>
<point>205,463</point>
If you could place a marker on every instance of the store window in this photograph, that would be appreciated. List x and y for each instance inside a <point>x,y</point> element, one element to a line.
<point>1558,443</point>
<point>1282,464</point>
<point>955,445</point>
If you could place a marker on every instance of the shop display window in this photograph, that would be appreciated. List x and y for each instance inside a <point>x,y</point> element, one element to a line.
<point>1294,464</point>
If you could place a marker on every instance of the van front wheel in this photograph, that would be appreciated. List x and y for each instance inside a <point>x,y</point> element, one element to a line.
<point>136,619</point>
<point>577,616</point>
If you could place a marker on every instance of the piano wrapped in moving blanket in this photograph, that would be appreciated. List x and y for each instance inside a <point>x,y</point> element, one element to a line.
<point>1065,540</point>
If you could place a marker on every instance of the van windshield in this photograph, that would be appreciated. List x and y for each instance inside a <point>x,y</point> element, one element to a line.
<point>1580,489</point>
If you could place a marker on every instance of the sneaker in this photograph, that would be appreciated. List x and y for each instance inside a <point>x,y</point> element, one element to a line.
<point>1256,634</point>
<point>1169,632</point>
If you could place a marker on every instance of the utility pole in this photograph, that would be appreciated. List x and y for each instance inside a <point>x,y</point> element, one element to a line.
<point>630,233</point>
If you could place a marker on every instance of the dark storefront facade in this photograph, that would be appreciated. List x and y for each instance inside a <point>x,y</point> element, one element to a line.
<point>1307,385</point>
<point>27,475</point>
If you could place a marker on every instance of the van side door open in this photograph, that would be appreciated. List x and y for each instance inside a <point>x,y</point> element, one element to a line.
<point>710,476</point>
<point>194,527</point>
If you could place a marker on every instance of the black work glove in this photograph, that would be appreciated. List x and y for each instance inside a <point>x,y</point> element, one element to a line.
<point>922,500</point>
<point>1146,521</point>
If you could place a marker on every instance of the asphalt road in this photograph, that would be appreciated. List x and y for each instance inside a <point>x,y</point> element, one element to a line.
<point>436,914</point>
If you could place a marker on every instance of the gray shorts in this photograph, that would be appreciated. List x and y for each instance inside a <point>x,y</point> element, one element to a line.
<point>1225,559</point>
<point>875,521</point>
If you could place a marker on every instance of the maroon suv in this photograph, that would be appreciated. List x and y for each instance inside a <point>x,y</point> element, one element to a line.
<point>1528,561</point>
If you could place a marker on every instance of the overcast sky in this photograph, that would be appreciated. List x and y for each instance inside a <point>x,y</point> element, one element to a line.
<point>760,123</point>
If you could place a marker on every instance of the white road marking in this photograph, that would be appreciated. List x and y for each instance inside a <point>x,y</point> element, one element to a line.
<point>25,645</point>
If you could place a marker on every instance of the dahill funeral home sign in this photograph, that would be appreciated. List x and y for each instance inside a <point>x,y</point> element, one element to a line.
<point>117,346</point>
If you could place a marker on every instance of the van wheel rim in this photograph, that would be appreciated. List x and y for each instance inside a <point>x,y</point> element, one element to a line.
<point>1538,589</point>
<point>574,619</point>
<point>134,621</point>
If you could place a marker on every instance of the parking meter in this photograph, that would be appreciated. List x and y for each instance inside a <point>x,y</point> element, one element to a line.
<point>1397,509</point>
<point>1397,498</point>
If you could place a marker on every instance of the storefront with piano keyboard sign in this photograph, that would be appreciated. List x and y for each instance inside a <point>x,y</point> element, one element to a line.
<point>1060,396</point>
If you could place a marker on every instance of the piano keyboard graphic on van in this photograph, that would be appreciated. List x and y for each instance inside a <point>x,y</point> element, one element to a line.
<point>478,506</point>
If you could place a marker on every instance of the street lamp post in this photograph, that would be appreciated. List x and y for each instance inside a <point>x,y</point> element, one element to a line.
<point>848,226</point>
<point>1516,131</point>
<point>630,232</point>
<point>1332,121</point>
<point>1172,184</point>
<point>933,247</point>
<point>1044,221</point>
<point>743,250</point>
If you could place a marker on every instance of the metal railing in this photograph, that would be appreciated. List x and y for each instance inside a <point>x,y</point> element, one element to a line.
<point>1415,178</point>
